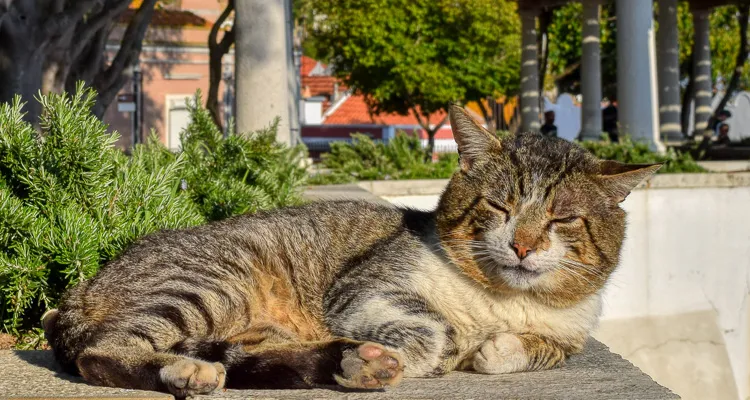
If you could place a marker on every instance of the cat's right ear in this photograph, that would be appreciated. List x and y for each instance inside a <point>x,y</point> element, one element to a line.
<point>474,141</point>
<point>619,179</point>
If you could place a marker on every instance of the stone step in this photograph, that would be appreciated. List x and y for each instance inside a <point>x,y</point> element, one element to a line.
<point>596,373</point>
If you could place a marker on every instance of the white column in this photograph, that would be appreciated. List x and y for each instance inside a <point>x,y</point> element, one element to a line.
<point>702,87</point>
<point>591,73</point>
<point>263,58</point>
<point>636,72</point>
<point>529,71</point>
<point>670,106</point>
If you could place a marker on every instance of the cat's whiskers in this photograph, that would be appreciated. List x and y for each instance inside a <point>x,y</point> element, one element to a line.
<point>587,268</point>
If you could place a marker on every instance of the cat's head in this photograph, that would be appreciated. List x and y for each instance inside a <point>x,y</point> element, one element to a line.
<point>533,214</point>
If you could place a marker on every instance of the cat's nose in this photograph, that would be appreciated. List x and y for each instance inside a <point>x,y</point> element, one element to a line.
<point>521,250</point>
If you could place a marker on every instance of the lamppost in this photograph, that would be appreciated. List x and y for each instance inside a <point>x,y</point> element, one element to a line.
<point>138,98</point>
<point>228,78</point>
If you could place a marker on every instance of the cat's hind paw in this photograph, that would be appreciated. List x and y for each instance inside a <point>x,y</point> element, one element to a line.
<point>370,366</point>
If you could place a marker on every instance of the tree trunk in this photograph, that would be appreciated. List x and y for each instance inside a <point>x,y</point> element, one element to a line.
<point>489,119</point>
<point>545,18</point>
<point>739,64</point>
<point>52,44</point>
<point>109,81</point>
<point>216,50</point>
<point>22,48</point>
<point>686,98</point>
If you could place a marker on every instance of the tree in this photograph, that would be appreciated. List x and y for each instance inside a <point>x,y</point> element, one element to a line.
<point>418,56</point>
<point>743,49</point>
<point>727,44</point>
<point>52,44</point>
<point>564,37</point>
<point>216,51</point>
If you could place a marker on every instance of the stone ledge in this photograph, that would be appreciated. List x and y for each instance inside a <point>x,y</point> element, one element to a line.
<point>426,187</point>
<point>596,373</point>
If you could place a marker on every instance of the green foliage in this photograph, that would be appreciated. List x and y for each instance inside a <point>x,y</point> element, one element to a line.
<point>419,55</point>
<point>564,36</point>
<point>70,201</point>
<point>238,174</point>
<point>628,151</point>
<point>400,158</point>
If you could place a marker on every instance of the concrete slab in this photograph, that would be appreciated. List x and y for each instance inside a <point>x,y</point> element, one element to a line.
<point>597,373</point>
<point>684,352</point>
<point>340,192</point>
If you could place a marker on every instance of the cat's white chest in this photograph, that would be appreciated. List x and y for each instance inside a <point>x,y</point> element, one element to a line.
<point>477,314</point>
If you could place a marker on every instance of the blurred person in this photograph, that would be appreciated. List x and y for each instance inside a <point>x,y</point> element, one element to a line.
<point>609,121</point>
<point>549,129</point>
<point>723,134</point>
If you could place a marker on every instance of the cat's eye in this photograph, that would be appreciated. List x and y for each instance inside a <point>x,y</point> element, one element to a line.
<point>566,220</point>
<point>497,206</point>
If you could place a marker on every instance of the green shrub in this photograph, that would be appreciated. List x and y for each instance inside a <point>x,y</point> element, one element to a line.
<point>238,174</point>
<point>400,158</point>
<point>628,151</point>
<point>70,201</point>
<point>403,158</point>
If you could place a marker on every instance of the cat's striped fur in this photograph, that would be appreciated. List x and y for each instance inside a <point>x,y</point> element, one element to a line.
<point>504,276</point>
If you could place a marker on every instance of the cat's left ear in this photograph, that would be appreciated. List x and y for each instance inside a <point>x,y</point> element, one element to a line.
<point>619,179</point>
<point>473,140</point>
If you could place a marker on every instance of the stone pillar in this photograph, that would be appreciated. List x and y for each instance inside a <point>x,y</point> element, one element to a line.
<point>263,58</point>
<point>591,73</point>
<point>636,72</point>
<point>529,71</point>
<point>702,87</point>
<point>668,51</point>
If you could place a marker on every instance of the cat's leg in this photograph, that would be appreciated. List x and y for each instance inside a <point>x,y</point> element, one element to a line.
<point>402,322</point>
<point>311,364</point>
<point>139,367</point>
<point>507,352</point>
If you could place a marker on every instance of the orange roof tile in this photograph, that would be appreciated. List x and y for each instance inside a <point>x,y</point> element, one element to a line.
<point>307,64</point>
<point>354,110</point>
<point>319,85</point>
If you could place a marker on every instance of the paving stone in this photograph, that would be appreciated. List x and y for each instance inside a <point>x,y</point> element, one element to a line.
<point>596,373</point>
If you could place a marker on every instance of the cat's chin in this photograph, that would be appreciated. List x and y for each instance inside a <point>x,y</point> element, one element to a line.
<point>519,277</point>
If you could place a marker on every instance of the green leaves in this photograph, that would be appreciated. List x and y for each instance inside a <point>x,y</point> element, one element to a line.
<point>400,158</point>
<point>70,201</point>
<point>408,54</point>
<point>628,151</point>
<point>242,173</point>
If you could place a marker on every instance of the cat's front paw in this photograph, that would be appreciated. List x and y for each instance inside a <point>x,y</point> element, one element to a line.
<point>501,355</point>
<point>190,377</point>
<point>370,366</point>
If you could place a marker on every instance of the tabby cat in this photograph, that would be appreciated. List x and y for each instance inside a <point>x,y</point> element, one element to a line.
<point>505,275</point>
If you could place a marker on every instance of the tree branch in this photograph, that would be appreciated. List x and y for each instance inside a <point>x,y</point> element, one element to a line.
<point>93,25</point>
<point>486,116</point>
<point>212,36</point>
<point>109,81</point>
<point>739,64</point>
<point>420,121</point>
<point>130,47</point>
<point>57,23</point>
<point>567,71</point>
<point>89,61</point>
<point>216,51</point>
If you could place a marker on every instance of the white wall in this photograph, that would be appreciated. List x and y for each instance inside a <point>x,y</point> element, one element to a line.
<point>687,250</point>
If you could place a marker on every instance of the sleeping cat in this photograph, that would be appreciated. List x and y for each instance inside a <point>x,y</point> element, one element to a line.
<point>504,276</point>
